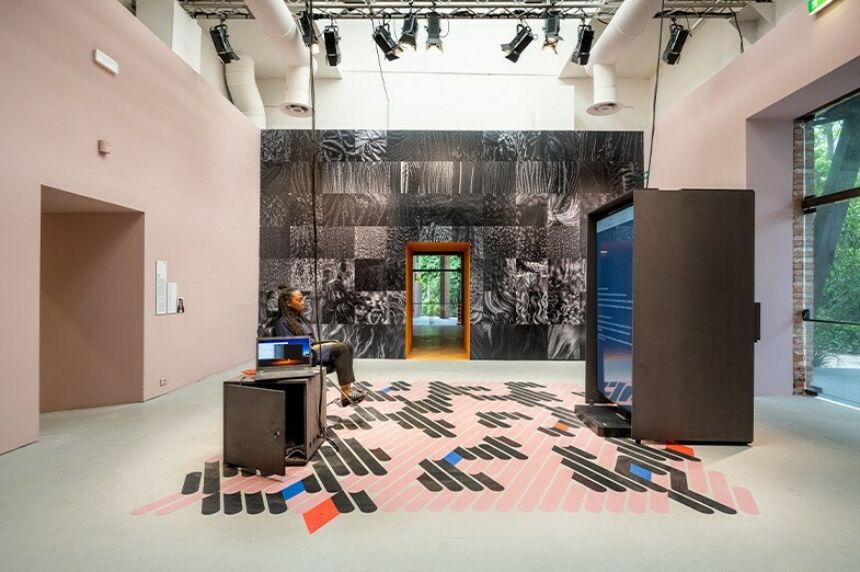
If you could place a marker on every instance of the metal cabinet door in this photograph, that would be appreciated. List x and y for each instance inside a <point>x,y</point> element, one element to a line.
<point>254,428</point>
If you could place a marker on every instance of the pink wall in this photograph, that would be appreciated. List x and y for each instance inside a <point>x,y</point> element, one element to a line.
<point>182,154</point>
<point>735,131</point>
<point>91,311</point>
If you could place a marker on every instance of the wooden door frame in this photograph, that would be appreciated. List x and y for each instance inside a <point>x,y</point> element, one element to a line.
<point>463,248</point>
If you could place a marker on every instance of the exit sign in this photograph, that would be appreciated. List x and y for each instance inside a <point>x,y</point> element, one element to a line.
<point>817,5</point>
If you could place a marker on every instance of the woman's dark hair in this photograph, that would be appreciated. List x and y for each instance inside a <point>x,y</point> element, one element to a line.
<point>291,319</point>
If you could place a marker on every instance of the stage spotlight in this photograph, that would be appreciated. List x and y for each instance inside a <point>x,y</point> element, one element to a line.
<point>309,32</point>
<point>522,39</point>
<point>383,39</point>
<point>221,39</point>
<point>677,37</point>
<point>410,32</point>
<point>583,45</point>
<point>434,32</point>
<point>331,37</point>
<point>551,31</point>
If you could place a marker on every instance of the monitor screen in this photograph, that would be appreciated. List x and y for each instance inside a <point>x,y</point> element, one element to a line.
<point>614,278</point>
<point>281,352</point>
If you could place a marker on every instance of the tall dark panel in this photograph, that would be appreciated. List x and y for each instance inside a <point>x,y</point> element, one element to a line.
<point>518,197</point>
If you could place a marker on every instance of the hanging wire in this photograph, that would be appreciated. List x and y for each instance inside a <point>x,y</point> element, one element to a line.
<point>654,102</point>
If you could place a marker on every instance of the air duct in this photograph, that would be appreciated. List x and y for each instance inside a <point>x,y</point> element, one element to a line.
<point>279,25</point>
<point>242,86</point>
<point>627,23</point>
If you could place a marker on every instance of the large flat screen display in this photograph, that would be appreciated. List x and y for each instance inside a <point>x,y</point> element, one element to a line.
<point>614,265</point>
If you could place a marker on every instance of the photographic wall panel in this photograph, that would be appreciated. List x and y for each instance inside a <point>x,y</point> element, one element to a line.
<point>518,197</point>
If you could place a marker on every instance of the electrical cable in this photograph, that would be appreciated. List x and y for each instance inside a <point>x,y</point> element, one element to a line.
<point>382,77</point>
<point>654,102</point>
<point>309,5</point>
<point>738,28</point>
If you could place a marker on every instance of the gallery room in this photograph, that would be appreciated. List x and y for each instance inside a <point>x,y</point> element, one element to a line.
<point>423,285</point>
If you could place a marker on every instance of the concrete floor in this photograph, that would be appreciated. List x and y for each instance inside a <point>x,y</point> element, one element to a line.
<point>67,500</point>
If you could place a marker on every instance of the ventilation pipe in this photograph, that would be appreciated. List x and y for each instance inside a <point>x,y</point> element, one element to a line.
<point>278,24</point>
<point>242,86</point>
<point>627,23</point>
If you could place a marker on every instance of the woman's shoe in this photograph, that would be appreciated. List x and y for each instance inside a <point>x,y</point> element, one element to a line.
<point>356,395</point>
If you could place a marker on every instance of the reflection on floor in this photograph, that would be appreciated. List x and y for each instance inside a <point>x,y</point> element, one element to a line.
<point>69,499</point>
<point>438,341</point>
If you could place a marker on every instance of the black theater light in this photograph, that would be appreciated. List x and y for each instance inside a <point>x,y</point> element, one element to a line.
<point>383,39</point>
<point>331,38</point>
<point>309,32</point>
<point>551,31</point>
<point>434,33</point>
<point>221,39</point>
<point>522,39</point>
<point>583,45</point>
<point>410,32</point>
<point>677,37</point>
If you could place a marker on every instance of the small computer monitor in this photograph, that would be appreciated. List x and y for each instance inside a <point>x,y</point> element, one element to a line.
<point>283,352</point>
<point>614,279</point>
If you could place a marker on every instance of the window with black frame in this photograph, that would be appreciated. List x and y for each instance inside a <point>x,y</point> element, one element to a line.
<point>831,207</point>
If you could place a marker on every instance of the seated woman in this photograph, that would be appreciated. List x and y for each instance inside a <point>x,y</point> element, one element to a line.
<point>293,323</point>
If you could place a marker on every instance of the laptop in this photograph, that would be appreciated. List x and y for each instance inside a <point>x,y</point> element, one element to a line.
<point>284,358</point>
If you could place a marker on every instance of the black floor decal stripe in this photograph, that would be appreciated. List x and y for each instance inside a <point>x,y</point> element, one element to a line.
<point>430,425</point>
<point>488,482</point>
<point>336,464</point>
<point>192,483</point>
<point>342,502</point>
<point>676,496</point>
<point>211,504</point>
<point>379,416</point>
<point>429,483</point>
<point>276,502</point>
<point>363,502</point>
<point>495,452</point>
<point>583,469</point>
<point>254,503</point>
<point>312,485</point>
<point>229,471</point>
<point>496,422</point>
<point>622,467</point>
<point>488,424</point>
<point>480,453</point>
<point>574,450</point>
<point>447,481</point>
<point>351,460</point>
<point>550,432</point>
<point>328,479</point>
<point>380,454</point>
<point>464,453</point>
<point>507,441</point>
<point>643,461</point>
<point>359,420</point>
<point>506,448</point>
<point>445,424</point>
<point>583,480</point>
<point>349,424</point>
<point>364,413</point>
<point>369,461</point>
<point>211,478</point>
<point>233,503</point>
<point>462,477</point>
<point>595,468</point>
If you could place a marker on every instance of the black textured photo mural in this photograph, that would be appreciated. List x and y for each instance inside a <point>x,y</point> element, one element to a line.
<point>518,197</point>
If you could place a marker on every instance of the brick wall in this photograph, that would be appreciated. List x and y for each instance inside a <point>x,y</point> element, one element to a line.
<point>804,178</point>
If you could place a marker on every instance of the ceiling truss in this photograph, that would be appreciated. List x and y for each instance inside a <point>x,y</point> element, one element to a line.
<point>600,10</point>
